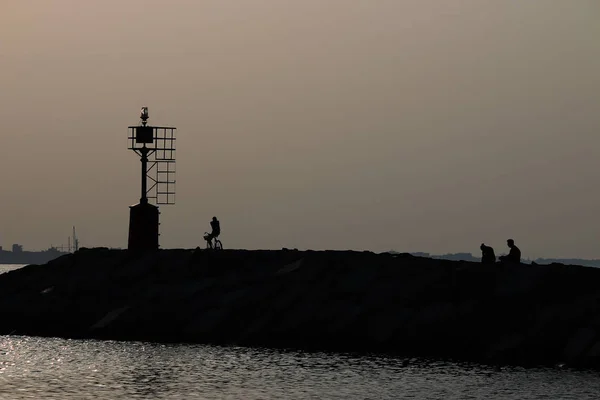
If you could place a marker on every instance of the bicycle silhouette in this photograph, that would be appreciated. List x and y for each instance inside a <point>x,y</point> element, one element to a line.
<point>217,245</point>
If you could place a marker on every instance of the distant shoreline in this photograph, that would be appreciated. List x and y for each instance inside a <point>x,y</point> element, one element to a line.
<point>42,257</point>
<point>471,258</point>
<point>30,257</point>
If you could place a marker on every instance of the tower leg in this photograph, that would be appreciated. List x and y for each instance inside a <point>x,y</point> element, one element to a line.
<point>143,227</point>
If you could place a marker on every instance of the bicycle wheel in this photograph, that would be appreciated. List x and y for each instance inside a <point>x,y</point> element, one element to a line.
<point>218,244</point>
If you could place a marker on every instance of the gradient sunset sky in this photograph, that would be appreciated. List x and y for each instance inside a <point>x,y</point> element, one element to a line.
<point>408,125</point>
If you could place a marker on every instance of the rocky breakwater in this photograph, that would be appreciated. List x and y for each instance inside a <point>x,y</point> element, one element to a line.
<point>347,301</point>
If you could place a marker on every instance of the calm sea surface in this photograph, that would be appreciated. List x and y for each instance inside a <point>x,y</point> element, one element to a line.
<point>9,267</point>
<point>49,368</point>
<point>42,368</point>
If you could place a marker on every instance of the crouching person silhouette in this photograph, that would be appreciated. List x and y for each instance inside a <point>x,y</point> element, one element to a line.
<point>488,257</point>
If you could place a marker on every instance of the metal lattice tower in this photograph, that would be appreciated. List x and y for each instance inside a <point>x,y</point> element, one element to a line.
<point>156,147</point>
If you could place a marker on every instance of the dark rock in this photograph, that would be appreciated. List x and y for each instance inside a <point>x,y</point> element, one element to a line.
<point>579,343</point>
<point>326,300</point>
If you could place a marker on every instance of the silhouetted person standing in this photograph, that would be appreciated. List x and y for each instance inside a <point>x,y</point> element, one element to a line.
<point>215,226</point>
<point>487,254</point>
<point>514,255</point>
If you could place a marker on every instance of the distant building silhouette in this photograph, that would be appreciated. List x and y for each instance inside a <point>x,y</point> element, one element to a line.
<point>541,261</point>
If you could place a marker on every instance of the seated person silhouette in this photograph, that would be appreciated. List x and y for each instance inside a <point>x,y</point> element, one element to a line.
<point>487,254</point>
<point>216,231</point>
<point>514,256</point>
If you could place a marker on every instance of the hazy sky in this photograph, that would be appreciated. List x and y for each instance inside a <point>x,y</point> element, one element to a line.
<point>413,125</point>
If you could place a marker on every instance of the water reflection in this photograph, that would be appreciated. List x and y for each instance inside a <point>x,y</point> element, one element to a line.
<point>71,369</point>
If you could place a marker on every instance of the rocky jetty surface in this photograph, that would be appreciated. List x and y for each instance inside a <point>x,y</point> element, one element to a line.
<point>316,300</point>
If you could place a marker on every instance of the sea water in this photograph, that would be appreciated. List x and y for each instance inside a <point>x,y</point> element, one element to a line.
<point>9,267</point>
<point>51,368</point>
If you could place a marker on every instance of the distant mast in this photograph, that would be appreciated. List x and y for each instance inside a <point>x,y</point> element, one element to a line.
<point>75,241</point>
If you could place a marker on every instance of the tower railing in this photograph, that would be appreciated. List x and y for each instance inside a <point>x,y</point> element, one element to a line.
<point>160,153</point>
